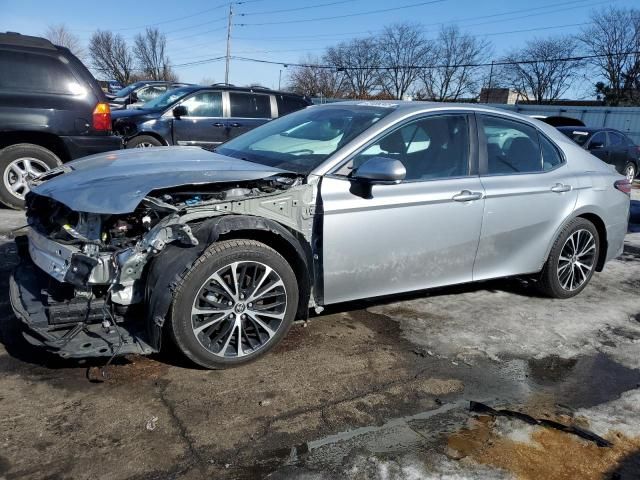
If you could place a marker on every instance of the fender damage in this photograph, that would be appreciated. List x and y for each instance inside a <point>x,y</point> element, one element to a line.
<point>95,282</point>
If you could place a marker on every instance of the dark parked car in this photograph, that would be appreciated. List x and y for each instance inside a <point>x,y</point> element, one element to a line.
<point>202,116</point>
<point>141,92</point>
<point>610,146</point>
<point>51,110</point>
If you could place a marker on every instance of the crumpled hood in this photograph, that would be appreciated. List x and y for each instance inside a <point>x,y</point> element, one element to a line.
<point>116,182</point>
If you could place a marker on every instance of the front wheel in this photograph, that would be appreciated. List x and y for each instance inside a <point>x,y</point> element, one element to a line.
<point>143,141</point>
<point>572,260</point>
<point>236,303</point>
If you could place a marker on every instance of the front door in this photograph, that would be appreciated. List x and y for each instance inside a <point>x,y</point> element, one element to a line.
<point>417,234</point>
<point>204,124</point>
<point>529,192</point>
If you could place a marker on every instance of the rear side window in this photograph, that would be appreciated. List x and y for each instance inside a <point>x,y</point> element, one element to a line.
<point>29,72</point>
<point>599,138</point>
<point>616,140</point>
<point>249,105</point>
<point>551,157</point>
<point>512,147</point>
<point>288,104</point>
<point>204,104</point>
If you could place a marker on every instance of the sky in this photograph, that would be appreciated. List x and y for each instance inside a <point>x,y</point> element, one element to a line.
<point>287,31</point>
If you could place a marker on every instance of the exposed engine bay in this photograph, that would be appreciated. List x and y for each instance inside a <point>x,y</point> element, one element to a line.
<point>109,276</point>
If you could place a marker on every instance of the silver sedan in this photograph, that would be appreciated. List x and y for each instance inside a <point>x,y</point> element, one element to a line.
<point>326,205</point>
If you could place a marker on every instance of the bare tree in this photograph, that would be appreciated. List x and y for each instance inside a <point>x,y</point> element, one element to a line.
<point>61,35</point>
<point>111,57</point>
<point>453,71</point>
<point>149,50</point>
<point>614,33</point>
<point>403,49</point>
<point>539,71</point>
<point>359,61</point>
<point>316,81</point>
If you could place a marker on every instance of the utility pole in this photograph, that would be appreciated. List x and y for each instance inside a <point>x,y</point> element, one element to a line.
<point>489,86</point>
<point>226,71</point>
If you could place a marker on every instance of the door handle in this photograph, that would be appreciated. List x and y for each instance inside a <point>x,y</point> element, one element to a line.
<point>559,188</point>
<point>218,124</point>
<point>467,196</point>
<point>235,124</point>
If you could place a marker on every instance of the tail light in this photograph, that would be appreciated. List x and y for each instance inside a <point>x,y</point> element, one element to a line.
<point>102,117</point>
<point>623,185</point>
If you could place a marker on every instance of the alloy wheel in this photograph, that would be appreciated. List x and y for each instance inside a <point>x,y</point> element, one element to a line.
<point>19,172</point>
<point>145,145</point>
<point>630,173</point>
<point>239,309</point>
<point>577,259</point>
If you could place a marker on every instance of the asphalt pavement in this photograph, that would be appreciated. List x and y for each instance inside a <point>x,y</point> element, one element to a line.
<point>365,390</point>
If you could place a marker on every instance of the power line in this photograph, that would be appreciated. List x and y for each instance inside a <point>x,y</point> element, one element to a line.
<point>359,14</point>
<point>430,67</point>
<point>286,10</point>
<point>197,34</point>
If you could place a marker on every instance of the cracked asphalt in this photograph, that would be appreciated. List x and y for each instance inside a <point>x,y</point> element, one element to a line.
<point>365,390</point>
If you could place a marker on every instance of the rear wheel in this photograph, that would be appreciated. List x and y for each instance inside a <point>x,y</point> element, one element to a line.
<point>572,260</point>
<point>630,171</point>
<point>236,303</point>
<point>143,141</point>
<point>18,164</point>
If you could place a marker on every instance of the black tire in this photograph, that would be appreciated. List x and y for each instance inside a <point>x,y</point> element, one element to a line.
<point>630,166</point>
<point>143,141</point>
<point>549,282</point>
<point>216,257</point>
<point>44,160</point>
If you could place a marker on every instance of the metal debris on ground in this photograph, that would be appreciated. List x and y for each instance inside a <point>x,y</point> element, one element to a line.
<point>478,407</point>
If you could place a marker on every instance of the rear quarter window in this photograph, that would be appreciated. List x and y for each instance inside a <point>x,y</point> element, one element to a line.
<point>32,72</point>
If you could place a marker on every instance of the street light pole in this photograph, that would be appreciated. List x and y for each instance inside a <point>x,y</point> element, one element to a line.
<point>226,71</point>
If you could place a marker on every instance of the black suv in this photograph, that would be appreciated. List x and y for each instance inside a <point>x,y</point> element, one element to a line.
<point>202,116</point>
<point>51,110</point>
<point>141,92</point>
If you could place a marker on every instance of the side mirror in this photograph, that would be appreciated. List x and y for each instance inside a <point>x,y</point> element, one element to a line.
<point>380,170</point>
<point>180,111</point>
<point>596,145</point>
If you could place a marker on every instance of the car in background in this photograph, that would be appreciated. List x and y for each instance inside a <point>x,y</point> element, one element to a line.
<point>110,86</point>
<point>202,116</point>
<point>141,92</point>
<point>610,146</point>
<point>52,110</point>
<point>221,251</point>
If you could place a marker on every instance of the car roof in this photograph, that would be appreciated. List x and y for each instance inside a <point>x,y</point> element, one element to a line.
<point>588,129</point>
<point>16,39</point>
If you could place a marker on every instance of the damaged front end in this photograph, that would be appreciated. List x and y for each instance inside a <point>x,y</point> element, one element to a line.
<point>95,284</point>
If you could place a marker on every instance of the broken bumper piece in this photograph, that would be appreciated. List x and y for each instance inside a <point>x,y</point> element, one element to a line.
<point>72,328</point>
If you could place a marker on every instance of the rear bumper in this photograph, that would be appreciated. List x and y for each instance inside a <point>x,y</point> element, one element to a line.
<point>615,240</point>
<point>81,146</point>
<point>69,328</point>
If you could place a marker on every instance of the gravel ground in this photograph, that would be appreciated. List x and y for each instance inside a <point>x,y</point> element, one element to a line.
<point>366,390</point>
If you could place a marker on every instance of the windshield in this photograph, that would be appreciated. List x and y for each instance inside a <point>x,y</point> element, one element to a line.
<point>167,98</point>
<point>301,141</point>
<point>127,90</point>
<point>578,136</point>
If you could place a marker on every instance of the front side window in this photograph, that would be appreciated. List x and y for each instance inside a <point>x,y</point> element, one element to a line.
<point>302,140</point>
<point>249,105</point>
<point>512,147</point>
<point>204,104</point>
<point>150,92</point>
<point>430,148</point>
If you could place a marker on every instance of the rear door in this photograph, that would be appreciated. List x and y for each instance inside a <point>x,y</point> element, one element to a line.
<point>204,124</point>
<point>599,146</point>
<point>618,151</point>
<point>247,111</point>
<point>530,192</point>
